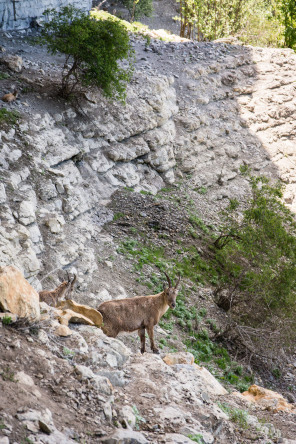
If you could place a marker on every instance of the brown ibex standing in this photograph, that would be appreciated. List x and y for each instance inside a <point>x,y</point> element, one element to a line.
<point>138,313</point>
<point>62,291</point>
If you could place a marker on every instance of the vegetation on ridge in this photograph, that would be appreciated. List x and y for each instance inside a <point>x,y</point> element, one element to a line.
<point>95,51</point>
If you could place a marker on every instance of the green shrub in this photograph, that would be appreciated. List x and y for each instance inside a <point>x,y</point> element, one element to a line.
<point>6,320</point>
<point>4,75</point>
<point>138,8</point>
<point>235,415</point>
<point>93,48</point>
<point>288,9</point>
<point>256,259</point>
<point>196,438</point>
<point>9,117</point>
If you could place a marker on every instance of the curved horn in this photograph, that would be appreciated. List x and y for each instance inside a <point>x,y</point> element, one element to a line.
<point>169,281</point>
<point>73,282</point>
<point>69,279</point>
<point>178,281</point>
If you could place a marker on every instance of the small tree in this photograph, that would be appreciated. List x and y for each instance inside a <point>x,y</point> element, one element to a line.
<point>255,256</point>
<point>94,49</point>
<point>138,8</point>
<point>288,8</point>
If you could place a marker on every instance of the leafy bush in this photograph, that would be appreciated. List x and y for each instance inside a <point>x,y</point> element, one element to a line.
<point>6,320</point>
<point>236,415</point>
<point>256,260</point>
<point>257,22</point>
<point>9,117</point>
<point>288,8</point>
<point>94,49</point>
<point>138,8</point>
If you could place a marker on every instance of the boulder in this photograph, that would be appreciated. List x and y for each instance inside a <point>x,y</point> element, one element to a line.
<point>179,358</point>
<point>88,312</point>
<point>268,399</point>
<point>125,437</point>
<point>63,330</point>
<point>14,62</point>
<point>16,294</point>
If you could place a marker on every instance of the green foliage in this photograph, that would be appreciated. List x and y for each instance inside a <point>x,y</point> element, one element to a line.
<point>6,320</point>
<point>138,416</point>
<point>197,438</point>
<point>198,222</point>
<point>256,253</point>
<point>138,8</point>
<point>7,374</point>
<point>93,48</point>
<point>68,353</point>
<point>288,8</point>
<point>117,216</point>
<point>9,117</point>
<point>235,415</point>
<point>276,373</point>
<point>211,19</point>
<point>263,24</point>
<point>4,75</point>
<point>256,22</point>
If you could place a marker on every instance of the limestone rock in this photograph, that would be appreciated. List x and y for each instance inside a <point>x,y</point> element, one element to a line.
<point>179,358</point>
<point>16,294</point>
<point>41,419</point>
<point>125,437</point>
<point>88,312</point>
<point>127,417</point>
<point>63,330</point>
<point>27,212</point>
<point>177,438</point>
<point>211,384</point>
<point>14,62</point>
<point>101,383</point>
<point>116,377</point>
<point>268,399</point>
<point>23,378</point>
<point>55,223</point>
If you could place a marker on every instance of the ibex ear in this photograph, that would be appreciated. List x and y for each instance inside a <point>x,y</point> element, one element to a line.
<point>163,285</point>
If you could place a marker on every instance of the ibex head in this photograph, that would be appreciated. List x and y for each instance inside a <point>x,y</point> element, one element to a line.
<point>171,292</point>
<point>70,285</point>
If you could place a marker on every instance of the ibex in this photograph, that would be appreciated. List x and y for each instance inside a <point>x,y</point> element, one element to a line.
<point>64,290</point>
<point>138,313</point>
<point>10,97</point>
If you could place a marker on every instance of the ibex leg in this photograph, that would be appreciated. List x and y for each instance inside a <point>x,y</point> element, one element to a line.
<point>141,332</point>
<point>151,336</point>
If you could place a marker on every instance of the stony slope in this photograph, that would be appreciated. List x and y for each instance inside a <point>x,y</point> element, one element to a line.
<point>192,109</point>
<point>194,112</point>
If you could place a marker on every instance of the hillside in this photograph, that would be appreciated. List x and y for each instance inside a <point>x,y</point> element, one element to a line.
<point>84,186</point>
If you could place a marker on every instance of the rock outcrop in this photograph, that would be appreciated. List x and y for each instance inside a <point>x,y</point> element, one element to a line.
<point>268,399</point>
<point>16,294</point>
<point>25,14</point>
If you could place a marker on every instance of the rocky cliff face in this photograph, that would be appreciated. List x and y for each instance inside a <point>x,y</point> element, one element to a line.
<point>199,110</point>
<point>194,112</point>
<point>23,14</point>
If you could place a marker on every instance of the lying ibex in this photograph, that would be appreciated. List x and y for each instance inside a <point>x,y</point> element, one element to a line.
<point>138,313</point>
<point>64,290</point>
<point>10,97</point>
